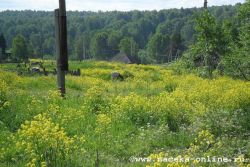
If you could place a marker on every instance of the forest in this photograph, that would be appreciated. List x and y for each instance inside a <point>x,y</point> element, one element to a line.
<point>104,34</point>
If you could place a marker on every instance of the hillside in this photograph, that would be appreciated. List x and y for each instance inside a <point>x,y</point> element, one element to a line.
<point>37,27</point>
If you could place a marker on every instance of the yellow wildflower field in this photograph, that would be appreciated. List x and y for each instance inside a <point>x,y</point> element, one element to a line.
<point>151,115</point>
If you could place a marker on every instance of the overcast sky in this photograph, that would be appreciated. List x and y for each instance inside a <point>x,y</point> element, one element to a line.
<point>107,5</point>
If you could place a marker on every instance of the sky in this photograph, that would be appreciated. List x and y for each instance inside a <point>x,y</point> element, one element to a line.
<point>109,5</point>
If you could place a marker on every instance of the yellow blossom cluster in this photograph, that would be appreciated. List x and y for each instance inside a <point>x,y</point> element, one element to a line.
<point>102,123</point>
<point>3,92</point>
<point>151,110</point>
<point>54,96</point>
<point>41,139</point>
<point>192,156</point>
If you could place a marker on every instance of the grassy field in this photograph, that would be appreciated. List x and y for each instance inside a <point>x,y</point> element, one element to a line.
<point>155,113</point>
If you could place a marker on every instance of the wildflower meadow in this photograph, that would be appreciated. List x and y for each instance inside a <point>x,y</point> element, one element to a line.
<point>153,114</point>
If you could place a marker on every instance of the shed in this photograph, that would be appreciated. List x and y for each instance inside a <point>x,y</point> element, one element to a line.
<point>122,58</point>
<point>8,53</point>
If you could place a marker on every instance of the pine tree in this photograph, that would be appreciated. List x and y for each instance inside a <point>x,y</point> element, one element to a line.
<point>19,48</point>
<point>3,44</point>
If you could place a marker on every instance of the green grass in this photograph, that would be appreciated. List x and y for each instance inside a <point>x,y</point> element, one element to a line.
<point>153,110</point>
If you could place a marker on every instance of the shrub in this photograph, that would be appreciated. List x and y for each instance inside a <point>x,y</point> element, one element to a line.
<point>43,142</point>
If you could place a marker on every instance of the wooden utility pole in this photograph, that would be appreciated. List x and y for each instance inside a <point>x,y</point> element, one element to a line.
<point>61,45</point>
<point>205,4</point>
<point>131,48</point>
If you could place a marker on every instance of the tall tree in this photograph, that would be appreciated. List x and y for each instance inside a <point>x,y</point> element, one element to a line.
<point>99,46</point>
<point>158,47</point>
<point>114,39</point>
<point>2,44</point>
<point>78,48</point>
<point>144,57</point>
<point>19,48</point>
<point>207,46</point>
<point>176,45</point>
<point>36,42</point>
<point>237,62</point>
<point>86,36</point>
<point>130,47</point>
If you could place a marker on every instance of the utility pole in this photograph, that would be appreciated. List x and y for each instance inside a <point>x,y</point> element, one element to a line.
<point>170,55</point>
<point>177,54</point>
<point>61,45</point>
<point>205,4</point>
<point>84,49</point>
<point>131,48</point>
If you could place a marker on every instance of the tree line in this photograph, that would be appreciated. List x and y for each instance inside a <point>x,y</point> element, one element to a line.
<point>145,36</point>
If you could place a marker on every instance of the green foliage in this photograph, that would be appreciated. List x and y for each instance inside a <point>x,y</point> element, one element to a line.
<point>130,47</point>
<point>37,28</point>
<point>3,44</point>
<point>158,47</point>
<point>153,110</point>
<point>211,45</point>
<point>176,45</point>
<point>19,48</point>
<point>206,45</point>
<point>113,42</point>
<point>35,45</point>
<point>79,49</point>
<point>237,62</point>
<point>222,45</point>
<point>144,57</point>
<point>2,47</point>
<point>99,46</point>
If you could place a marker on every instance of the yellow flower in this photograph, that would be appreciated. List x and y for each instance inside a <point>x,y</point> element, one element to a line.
<point>43,164</point>
<point>40,135</point>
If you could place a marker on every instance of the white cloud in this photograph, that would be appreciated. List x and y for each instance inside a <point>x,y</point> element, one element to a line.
<point>104,5</point>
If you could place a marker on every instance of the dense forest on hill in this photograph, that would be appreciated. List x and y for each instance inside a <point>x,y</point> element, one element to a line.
<point>102,35</point>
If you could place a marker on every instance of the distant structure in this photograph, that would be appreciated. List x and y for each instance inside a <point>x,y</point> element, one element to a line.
<point>121,57</point>
<point>205,4</point>
<point>8,53</point>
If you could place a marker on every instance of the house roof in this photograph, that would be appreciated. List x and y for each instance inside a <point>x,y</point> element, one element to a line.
<point>121,57</point>
<point>8,52</point>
